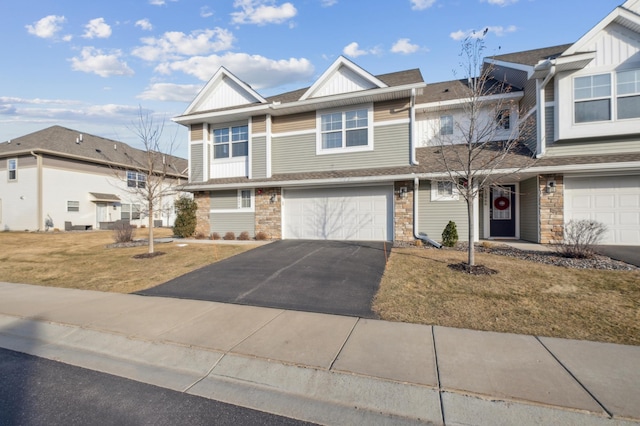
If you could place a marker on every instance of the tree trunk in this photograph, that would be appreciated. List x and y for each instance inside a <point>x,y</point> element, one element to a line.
<point>150,224</point>
<point>470,211</point>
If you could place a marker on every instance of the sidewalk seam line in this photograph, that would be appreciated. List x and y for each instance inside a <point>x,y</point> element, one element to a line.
<point>435,358</point>
<point>335,358</point>
<point>575,378</point>
<point>282,311</point>
<point>215,364</point>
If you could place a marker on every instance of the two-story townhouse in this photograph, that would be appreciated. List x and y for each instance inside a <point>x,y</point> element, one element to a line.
<point>57,177</point>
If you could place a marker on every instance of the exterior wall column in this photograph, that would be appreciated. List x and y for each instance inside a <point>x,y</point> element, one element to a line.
<point>203,221</point>
<point>403,211</point>
<point>268,211</point>
<point>551,209</point>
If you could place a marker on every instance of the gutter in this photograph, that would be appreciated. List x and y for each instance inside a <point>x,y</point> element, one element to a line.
<point>420,235</point>
<point>412,129</point>
<point>542,112</point>
<point>39,191</point>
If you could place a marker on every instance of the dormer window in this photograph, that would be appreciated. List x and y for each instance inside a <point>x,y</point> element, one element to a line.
<point>231,142</point>
<point>348,130</point>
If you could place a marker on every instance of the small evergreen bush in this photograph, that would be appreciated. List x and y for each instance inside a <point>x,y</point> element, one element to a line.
<point>450,234</point>
<point>185,224</point>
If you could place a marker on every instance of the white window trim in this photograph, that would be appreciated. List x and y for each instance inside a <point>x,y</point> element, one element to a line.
<point>77,205</point>
<point>344,150</point>
<point>230,143</point>
<point>441,125</point>
<point>253,201</point>
<point>9,170</point>
<point>437,197</point>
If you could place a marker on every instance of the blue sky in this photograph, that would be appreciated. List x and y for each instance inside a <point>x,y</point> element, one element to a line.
<point>91,65</point>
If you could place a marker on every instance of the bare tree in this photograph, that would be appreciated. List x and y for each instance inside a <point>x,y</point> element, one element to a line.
<point>152,176</point>
<point>486,145</point>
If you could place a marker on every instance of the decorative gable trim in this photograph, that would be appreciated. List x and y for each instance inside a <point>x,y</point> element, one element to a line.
<point>342,76</point>
<point>228,91</point>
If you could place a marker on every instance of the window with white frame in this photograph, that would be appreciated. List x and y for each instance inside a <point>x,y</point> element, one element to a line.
<point>446,125</point>
<point>245,199</point>
<point>592,95</point>
<point>503,119</point>
<point>130,211</point>
<point>12,169</point>
<point>628,94</point>
<point>73,206</point>
<point>348,130</point>
<point>136,180</point>
<point>443,190</point>
<point>231,142</point>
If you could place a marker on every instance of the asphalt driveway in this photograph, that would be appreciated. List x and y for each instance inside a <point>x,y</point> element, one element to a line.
<point>629,254</point>
<point>334,277</point>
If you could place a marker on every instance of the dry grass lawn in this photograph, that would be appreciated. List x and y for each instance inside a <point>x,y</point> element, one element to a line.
<point>82,260</point>
<point>524,297</point>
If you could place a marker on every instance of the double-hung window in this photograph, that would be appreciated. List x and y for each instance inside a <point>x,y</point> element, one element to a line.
<point>231,142</point>
<point>130,211</point>
<point>446,125</point>
<point>136,180</point>
<point>443,191</point>
<point>503,120</point>
<point>345,130</point>
<point>73,206</point>
<point>12,169</point>
<point>592,95</point>
<point>244,199</point>
<point>628,94</point>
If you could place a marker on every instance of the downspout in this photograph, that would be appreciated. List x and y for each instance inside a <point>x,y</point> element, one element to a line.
<point>542,113</point>
<point>420,235</point>
<point>412,128</point>
<point>40,218</point>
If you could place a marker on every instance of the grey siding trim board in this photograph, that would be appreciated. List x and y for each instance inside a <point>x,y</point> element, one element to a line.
<point>197,172</point>
<point>435,215</point>
<point>259,157</point>
<point>224,199</point>
<point>529,211</point>
<point>294,154</point>
<point>233,222</point>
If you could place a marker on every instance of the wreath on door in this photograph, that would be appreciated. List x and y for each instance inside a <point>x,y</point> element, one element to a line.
<point>501,203</point>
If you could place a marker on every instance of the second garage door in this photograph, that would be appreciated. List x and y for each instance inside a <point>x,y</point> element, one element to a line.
<point>612,200</point>
<point>355,213</point>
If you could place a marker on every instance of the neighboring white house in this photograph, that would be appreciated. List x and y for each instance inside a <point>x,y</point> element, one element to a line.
<point>66,179</point>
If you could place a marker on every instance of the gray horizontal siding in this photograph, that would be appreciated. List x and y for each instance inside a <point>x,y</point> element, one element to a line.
<point>435,215</point>
<point>294,154</point>
<point>549,123</point>
<point>233,222</point>
<point>196,166</point>
<point>224,199</point>
<point>609,146</point>
<point>529,210</point>
<point>259,157</point>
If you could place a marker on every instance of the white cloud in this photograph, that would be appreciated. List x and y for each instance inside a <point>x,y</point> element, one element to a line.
<point>422,4</point>
<point>353,50</point>
<point>501,3</point>
<point>157,2</point>
<point>170,92</point>
<point>175,44</point>
<point>328,3</point>
<point>95,61</point>
<point>144,24</point>
<point>499,31</point>
<point>205,12</point>
<point>262,12</point>
<point>256,70</point>
<point>46,27</point>
<point>404,45</point>
<point>97,28</point>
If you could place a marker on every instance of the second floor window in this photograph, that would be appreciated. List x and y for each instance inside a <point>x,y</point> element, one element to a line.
<point>446,125</point>
<point>344,129</point>
<point>231,142</point>
<point>592,96</point>
<point>503,120</point>
<point>136,180</point>
<point>12,168</point>
<point>628,94</point>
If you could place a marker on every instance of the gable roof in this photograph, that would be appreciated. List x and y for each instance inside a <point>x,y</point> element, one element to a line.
<point>64,142</point>
<point>532,57</point>
<point>455,90</point>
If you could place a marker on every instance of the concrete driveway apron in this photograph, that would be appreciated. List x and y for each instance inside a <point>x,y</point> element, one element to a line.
<point>333,277</point>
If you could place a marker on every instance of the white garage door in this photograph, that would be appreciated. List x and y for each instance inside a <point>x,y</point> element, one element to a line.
<point>612,200</point>
<point>359,214</point>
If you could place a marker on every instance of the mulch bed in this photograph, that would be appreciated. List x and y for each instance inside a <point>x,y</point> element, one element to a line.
<point>148,255</point>
<point>472,270</point>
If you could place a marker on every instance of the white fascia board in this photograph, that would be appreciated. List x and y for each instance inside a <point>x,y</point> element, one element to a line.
<point>462,101</point>
<point>341,61</point>
<point>618,13</point>
<point>513,65</point>
<point>221,115</point>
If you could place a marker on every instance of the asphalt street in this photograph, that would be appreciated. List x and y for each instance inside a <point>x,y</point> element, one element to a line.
<point>37,391</point>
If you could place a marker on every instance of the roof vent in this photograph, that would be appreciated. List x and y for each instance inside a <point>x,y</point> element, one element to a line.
<point>80,137</point>
<point>77,140</point>
<point>9,141</point>
<point>115,147</point>
<point>98,151</point>
<point>446,90</point>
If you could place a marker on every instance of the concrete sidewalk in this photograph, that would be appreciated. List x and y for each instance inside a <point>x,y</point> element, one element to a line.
<point>324,368</point>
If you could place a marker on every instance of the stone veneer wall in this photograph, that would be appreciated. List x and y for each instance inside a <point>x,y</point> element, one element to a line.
<point>403,212</point>
<point>269,214</point>
<point>551,210</point>
<point>203,224</point>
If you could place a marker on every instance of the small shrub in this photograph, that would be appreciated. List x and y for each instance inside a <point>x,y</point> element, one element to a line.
<point>487,244</point>
<point>418,243</point>
<point>185,223</point>
<point>123,232</point>
<point>143,226</point>
<point>244,236</point>
<point>261,236</point>
<point>199,236</point>
<point>229,236</point>
<point>580,237</point>
<point>215,236</point>
<point>450,234</point>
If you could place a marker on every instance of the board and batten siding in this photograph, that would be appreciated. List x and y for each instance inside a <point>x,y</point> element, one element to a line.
<point>433,216</point>
<point>259,157</point>
<point>232,222</point>
<point>529,212</point>
<point>195,163</point>
<point>297,153</point>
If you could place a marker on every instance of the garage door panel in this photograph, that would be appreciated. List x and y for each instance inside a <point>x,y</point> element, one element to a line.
<point>357,213</point>
<point>612,200</point>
